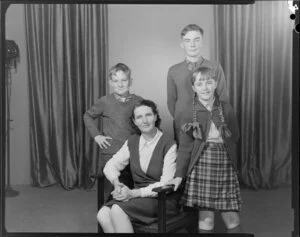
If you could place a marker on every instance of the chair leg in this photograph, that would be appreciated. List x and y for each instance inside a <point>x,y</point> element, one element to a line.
<point>161,213</point>
<point>192,229</point>
<point>100,199</point>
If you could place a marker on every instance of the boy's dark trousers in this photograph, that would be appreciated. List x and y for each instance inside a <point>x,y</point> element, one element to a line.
<point>176,133</point>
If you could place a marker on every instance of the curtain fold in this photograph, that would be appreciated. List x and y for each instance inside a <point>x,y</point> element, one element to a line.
<point>254,46</point>
<point>67,61</point>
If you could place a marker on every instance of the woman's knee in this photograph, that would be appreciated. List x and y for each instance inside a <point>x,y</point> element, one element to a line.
<point>117,211</point>
<point>118,215</point>
<point>231,219</point>
<point>103,215</point>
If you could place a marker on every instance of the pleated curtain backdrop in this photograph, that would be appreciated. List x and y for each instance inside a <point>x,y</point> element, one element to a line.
<point>254,46</point>
<point>67,63</point>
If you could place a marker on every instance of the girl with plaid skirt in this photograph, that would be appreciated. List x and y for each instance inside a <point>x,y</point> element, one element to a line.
<point>206,160</point>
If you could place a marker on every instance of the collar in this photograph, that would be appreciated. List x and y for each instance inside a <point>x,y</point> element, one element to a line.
<point>199,106</point>
<point>194,65</point>
<point>123,98</point>
<point>208,105</point>
<point>144,142</point>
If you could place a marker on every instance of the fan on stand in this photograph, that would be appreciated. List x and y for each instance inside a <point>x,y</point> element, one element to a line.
<point>12,54</point>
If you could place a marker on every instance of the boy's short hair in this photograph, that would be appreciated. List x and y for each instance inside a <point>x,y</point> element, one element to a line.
<point>119,67</point>
<point>191,27</point>
<point>206,73</point>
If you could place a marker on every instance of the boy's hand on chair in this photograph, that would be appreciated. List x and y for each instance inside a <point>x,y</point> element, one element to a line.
<point>176,181</point>
<point>102,141</point>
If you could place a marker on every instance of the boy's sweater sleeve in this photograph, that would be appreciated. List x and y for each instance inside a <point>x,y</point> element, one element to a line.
<point>221,88</point>
<point>233,124</point>
<point>139,98</point>
<point>184,153</point>
<point>91,115</point>
<point>171,93</point>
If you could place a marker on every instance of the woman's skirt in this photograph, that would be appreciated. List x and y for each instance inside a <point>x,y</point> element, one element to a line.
<point>213,182</point>
<point>145,209</point>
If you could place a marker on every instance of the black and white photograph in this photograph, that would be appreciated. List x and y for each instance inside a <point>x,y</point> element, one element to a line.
<point>150,118</point>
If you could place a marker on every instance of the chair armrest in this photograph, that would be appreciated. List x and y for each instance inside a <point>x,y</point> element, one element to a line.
<point>100,190</point>
<point>164,189</point>
<point>96,176</point>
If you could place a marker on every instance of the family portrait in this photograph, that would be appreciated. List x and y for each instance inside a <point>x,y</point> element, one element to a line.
<point>149,118</point>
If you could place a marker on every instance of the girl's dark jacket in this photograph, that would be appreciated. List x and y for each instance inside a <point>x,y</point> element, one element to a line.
<point>190,147</point>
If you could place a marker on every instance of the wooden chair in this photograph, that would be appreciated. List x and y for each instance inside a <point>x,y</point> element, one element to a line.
<point>186,220</point>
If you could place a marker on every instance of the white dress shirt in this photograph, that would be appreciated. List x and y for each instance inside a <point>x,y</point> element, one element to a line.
<point>119,161</point>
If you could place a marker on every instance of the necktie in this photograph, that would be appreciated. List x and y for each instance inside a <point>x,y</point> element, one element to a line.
<point>193,65</point>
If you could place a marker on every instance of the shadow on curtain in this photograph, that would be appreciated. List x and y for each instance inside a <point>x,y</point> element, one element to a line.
<point>67,56</point>
<point>254,46</point>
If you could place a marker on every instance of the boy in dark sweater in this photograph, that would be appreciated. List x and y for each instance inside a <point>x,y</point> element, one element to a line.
<point>114,110</point>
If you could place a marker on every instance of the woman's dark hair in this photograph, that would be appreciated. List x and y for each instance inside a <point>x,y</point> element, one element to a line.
<point>153,106</point>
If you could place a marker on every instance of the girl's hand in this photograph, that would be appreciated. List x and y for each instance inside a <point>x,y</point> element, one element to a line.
<point>176,181</point>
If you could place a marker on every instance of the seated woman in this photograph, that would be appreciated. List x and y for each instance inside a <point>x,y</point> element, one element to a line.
<point>152,158</point>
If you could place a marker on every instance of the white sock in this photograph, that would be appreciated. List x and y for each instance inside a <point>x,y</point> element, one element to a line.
<point>206,224</point>
<point>232,225</point>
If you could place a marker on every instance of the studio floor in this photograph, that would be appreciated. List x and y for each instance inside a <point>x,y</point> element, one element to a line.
<point>265,213</point>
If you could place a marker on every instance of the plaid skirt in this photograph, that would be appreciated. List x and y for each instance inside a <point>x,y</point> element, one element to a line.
<point>213,182</point>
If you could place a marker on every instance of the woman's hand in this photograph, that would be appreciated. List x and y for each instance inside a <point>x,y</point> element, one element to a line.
<point>176,181</point>
<point>123,195</point>
<point>126,194</point>
<point>117,186</point>
<point>117,192</point>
